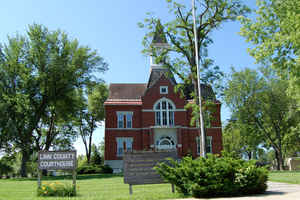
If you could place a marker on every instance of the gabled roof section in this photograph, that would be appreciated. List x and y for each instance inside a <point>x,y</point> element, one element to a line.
<point>126,92</point>
<point>157,73</point>
<point>159,35</point>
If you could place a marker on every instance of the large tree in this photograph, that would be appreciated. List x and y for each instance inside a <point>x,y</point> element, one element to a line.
<point>275,36</point>
<point>238,139</point>
<point>91,115</point>
<point>180,56</point>
<point>38,72</point>
<point>55,128</point>
<point>259,100</point>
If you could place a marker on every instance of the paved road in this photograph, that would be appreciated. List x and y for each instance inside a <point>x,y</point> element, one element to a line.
<point>280,191</point>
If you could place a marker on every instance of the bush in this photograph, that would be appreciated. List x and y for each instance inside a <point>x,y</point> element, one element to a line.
<point>106,169</point>
<point>214,176</point>
<point>91,169</point>
<point>57,189</point>
<point>88,169</point>
<point>5,169</point>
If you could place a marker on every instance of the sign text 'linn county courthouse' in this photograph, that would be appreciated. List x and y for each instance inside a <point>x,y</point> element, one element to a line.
<point>57,160</point>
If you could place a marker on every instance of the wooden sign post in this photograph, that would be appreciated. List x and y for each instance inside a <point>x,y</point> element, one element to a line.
<point>138,167</point>
<point>57,160</point>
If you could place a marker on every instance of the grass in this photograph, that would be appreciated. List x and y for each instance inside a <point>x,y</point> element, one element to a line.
<point>99,187</point>
<point>285,177</point>
<point>89,187</point>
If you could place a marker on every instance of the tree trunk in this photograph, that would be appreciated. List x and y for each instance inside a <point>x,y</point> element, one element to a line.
<point>279,160</point>
<point>249,155</point>
<point>25,158</point>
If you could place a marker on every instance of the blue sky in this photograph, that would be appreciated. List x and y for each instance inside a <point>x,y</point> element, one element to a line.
<point>111,28</point>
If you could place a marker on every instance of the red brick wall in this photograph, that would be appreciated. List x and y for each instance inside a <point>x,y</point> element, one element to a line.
<point>111,143</point>
<point>153,94</point>
<point>111,115</point>
<point>143,138</point>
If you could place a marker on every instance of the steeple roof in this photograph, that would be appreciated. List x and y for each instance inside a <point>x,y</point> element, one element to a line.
<point>159,35</point>
<point>156,74</point>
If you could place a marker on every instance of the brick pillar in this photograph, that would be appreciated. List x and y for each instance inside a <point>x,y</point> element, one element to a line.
<point>151,138</point>
<point>179,142</point>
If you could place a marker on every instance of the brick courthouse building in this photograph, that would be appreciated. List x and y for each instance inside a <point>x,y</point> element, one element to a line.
<point>151,116</point>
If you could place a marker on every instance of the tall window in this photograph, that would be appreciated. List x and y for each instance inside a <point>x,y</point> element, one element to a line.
<point>124,117</point>
<point>164,113</point>
<point>208,144</point>
<point>120,120</point>
<point>128,120</point>
<point>123,142</point>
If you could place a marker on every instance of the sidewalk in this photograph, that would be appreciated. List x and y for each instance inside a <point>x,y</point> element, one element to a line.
<point>280,191</point>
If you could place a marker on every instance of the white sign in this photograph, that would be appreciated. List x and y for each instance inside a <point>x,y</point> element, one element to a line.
<point>54,160</point>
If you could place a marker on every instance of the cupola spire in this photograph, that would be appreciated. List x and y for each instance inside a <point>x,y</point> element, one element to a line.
<point>158,44</point>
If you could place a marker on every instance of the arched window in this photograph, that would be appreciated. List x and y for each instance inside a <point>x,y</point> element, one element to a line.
<point>164,112</point>
<point>165,143</point>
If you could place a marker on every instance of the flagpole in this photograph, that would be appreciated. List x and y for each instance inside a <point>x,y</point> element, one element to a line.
<point>202,141</point>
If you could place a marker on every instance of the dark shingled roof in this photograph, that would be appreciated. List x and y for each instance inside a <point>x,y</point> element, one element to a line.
<point>157,73</point>
<point>207,92</point>
<point>120,91</point>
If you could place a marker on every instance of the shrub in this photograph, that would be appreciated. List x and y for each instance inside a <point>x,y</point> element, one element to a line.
<point>106,169</point>
<point>88,169</point>
<point>57,189</point>
<point>214,176</point>
<point>92,169</point>
<point>5,169</point>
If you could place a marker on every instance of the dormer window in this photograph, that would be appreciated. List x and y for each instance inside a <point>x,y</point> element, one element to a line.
<point>163,89</point>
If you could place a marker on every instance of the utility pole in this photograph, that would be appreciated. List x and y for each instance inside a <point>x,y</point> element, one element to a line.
<point>202,140</point>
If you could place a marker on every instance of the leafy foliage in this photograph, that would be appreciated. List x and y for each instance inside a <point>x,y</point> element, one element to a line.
<point>238,139</point>
<point>274,34</point>
<point>40,73</point>
<point>57,189</point>
<point>91,114</point>
<point>94,169</point>
<point>5,168</point>
<point>179,57</point>
<point>180,36</point>
<point>214,176</point>
<point>260,101</point>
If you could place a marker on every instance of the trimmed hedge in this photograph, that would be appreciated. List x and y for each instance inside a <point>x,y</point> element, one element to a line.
<point>92,169</point>
<point>214,176</point>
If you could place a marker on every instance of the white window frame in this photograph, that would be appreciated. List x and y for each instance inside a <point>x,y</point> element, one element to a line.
<point>161,89</point>
<point>208,144</point>
<point>169,117</point>
<point>125,115</point>
<point>120,142</point>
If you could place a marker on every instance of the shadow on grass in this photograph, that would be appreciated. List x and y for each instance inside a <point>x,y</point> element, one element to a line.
<point>68,177</point>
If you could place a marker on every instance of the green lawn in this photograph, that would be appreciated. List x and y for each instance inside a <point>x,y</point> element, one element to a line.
<point>98,187</point>
<point>91,187</point>
<point>285,177</point>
